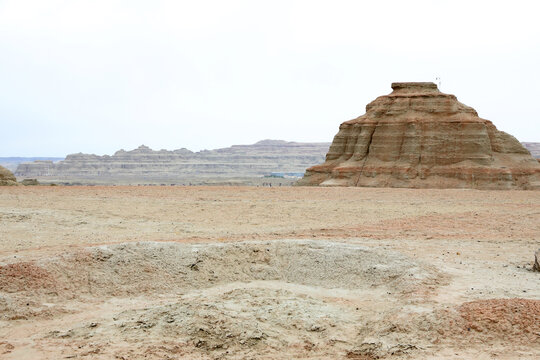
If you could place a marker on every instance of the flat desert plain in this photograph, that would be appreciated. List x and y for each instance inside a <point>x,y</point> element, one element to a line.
<point>268,273</point>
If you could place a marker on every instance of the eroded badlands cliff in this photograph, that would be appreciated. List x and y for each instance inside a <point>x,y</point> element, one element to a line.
<point>419,137</point>
<point>144,165</point>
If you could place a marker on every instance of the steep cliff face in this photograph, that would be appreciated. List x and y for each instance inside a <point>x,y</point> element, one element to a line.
<point>143,163</point>
<point>7,177</point>
<point>419,137</point>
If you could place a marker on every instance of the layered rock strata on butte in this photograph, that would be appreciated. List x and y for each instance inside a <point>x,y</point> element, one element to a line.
<point>419,137</point>
<point>7,177</point>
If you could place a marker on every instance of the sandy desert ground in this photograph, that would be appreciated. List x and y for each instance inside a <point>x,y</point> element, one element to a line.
<point>268,273</point>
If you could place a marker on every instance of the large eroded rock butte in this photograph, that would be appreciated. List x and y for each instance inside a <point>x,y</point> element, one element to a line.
<point>419,137</point>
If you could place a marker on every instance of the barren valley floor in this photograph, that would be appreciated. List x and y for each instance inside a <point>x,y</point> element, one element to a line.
<point>247,272</point>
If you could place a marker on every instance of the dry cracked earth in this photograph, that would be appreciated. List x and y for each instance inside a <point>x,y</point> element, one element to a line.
<point>268,273</point>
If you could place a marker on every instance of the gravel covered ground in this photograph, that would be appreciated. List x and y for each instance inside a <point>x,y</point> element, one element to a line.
<point>247,272</point>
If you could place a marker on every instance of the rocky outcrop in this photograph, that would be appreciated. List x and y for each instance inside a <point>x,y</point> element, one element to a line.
<point>421,138</point>
<point>7,177</point>
<point>144,165</point>
<point>29,182</point>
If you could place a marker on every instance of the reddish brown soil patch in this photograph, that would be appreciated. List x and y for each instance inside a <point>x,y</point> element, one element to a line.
<point>449,226</point>
<point>23,276</point>
<point>508,319</point>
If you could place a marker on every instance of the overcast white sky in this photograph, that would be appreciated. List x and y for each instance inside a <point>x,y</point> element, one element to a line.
<point>97,76</point>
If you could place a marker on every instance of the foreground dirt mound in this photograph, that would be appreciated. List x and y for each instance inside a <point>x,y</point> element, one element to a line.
<point>148,267</point>
<point>489,324</point>
<point>419,137</point>
<point>239,323</point>
<point>7,177</point>
<point>276,299</point>
<point>279,299</point>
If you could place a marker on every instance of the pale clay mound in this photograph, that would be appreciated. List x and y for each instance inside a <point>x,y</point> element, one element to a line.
<point>419,137</point>
<point>115,270</point>
<point>276,299</point>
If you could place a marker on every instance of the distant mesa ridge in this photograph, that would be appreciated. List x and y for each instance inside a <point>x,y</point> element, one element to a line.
<point>262,158</point>
<point>420,137</point>
<point>533,147</point>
